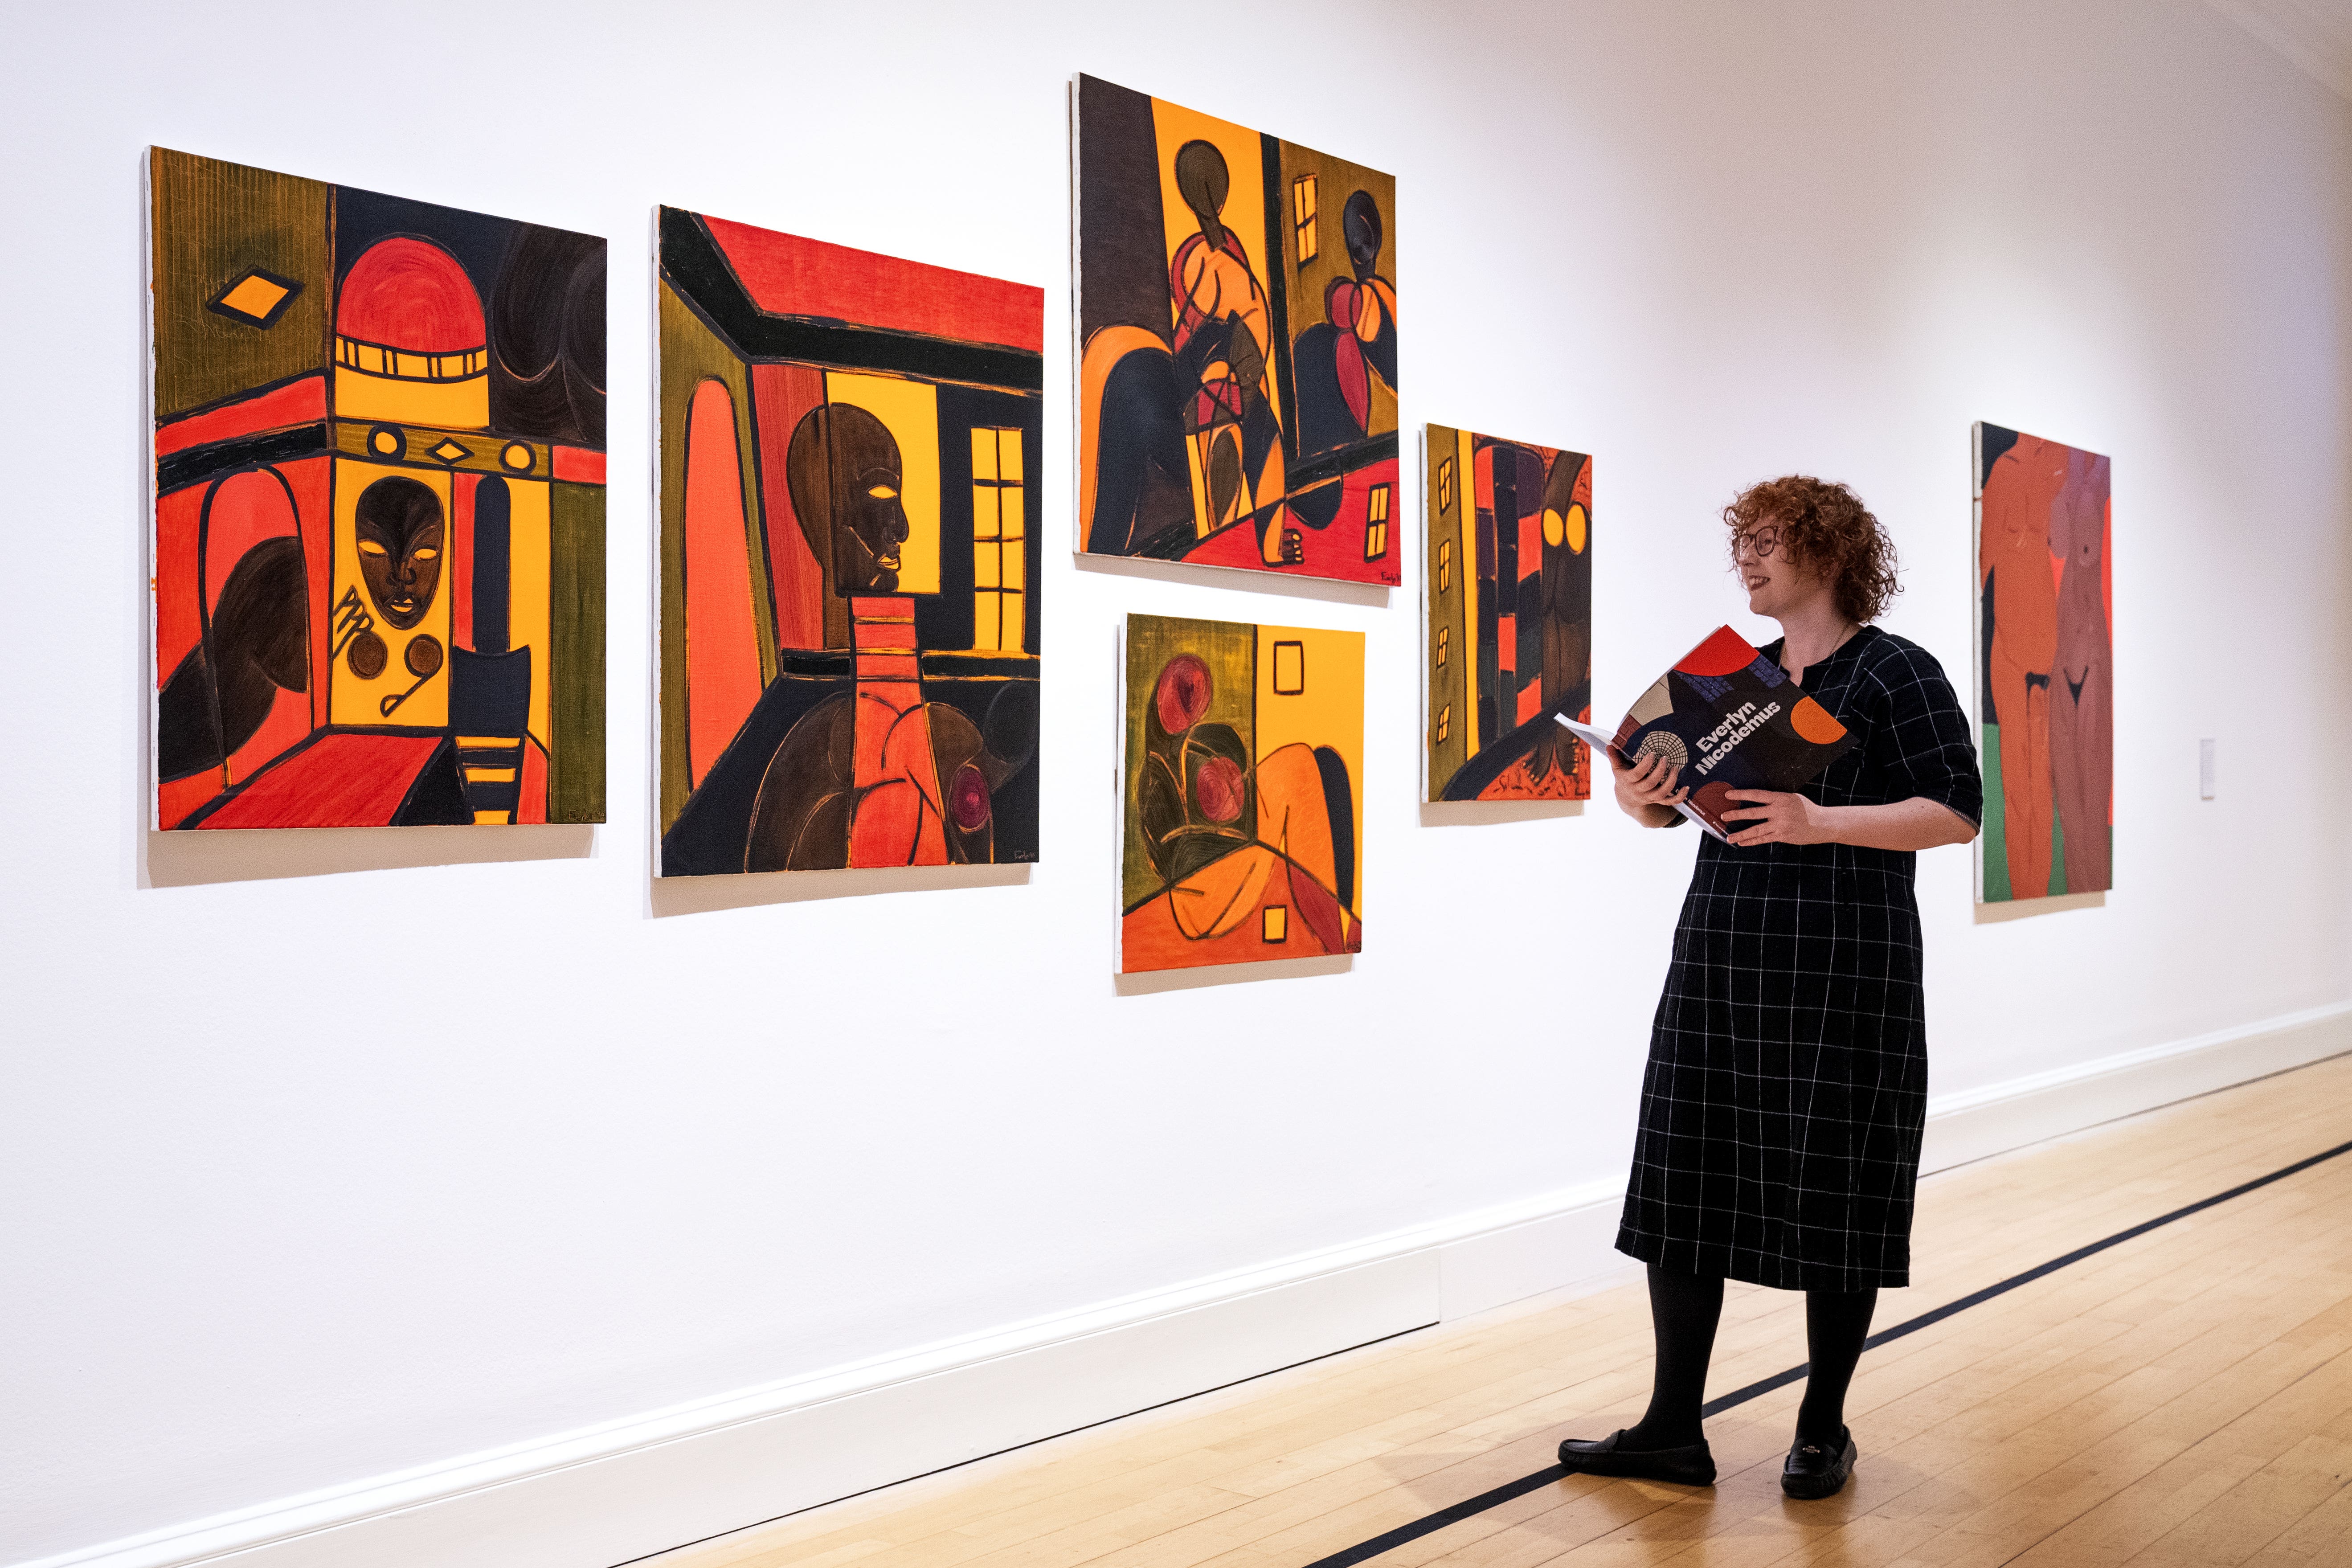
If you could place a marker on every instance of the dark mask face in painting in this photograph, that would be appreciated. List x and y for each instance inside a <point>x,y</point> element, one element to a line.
<point>842,469</point>
<point>399,528</point>
<point>1202,179</point>
<point>1359,227</point>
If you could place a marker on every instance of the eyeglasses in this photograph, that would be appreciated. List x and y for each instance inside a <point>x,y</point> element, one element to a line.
<point>1762,541</point>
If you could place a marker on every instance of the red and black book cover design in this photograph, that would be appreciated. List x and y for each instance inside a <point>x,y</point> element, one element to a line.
<point>1731,718</point>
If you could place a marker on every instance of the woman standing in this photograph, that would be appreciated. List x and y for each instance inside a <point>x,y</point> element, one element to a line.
<point>1788,1079</point>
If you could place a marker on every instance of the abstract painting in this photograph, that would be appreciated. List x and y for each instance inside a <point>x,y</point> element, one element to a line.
<point>1510,617</point>
<point>2046,659</point>
<point>1237,345</point>
<point>849,605</point>
<point>1240,795</point>
<point>379,547</point>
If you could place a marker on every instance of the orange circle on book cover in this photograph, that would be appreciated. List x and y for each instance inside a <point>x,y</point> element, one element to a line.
<point>1812,722</point>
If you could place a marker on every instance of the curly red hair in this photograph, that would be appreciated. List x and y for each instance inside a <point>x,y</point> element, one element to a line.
<point>1825,529</point>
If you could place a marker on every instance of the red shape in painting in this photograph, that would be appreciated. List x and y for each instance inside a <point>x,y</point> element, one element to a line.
<point>342,781</point>
<point>1183,695</point>
<point>410,294</point>
<point>722,657</point>
<point>787,275</point>
<point>1221,789</point>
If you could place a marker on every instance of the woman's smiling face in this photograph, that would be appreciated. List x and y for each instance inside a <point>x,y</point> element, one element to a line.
<point>1775,583</point>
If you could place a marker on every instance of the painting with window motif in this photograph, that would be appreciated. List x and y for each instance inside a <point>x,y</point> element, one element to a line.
<point>1509,646</point>
<point>1242,793</point>
<point>379,539</point>
<point>2046,666</point>
<point>1237,345</point>
<point>849,606</point>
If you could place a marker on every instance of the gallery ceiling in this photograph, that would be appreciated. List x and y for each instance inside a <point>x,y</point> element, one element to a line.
<point>2316,35</point>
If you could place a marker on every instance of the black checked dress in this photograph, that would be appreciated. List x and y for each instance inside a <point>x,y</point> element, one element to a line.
<point>1788,1077</point>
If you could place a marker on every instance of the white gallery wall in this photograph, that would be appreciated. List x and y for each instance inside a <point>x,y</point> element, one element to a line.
<point>459,1172</point>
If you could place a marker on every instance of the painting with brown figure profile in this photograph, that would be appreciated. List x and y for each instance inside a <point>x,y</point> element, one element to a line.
<point>850,622</point>
<point>379,547</point>
<point>2045,658</point>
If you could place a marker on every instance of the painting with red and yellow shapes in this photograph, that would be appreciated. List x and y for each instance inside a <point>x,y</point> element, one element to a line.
<point>2046,598</point>
<point>1509,644</point>
<point>850,617</point>
<point>1240,805</point>
<point>379,546</point>
<point>1237,345</point>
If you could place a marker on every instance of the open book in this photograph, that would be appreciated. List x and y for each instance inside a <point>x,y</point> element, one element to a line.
<point>1729,719</point>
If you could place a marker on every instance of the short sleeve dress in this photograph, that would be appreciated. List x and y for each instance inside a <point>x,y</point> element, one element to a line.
<point>1788,1077</point>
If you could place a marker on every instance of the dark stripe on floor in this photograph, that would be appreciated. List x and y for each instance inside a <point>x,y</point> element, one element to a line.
<point>1364,1551</point>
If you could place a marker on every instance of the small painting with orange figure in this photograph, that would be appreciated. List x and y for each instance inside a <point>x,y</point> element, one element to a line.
<point>2045,664</point>
<point>1240,805</point>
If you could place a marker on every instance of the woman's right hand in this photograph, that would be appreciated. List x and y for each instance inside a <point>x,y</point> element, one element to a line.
<point>1646,790</point>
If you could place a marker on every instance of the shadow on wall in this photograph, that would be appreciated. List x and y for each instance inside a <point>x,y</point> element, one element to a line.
<point>1146,982</point>
<point>1488,813</point>
<point>1372,596</point>
<point>194,860</point>
<point>708,895</point>
<point>2022,909</point>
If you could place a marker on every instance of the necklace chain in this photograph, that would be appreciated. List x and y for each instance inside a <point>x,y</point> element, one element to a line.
<point>1843,637</point>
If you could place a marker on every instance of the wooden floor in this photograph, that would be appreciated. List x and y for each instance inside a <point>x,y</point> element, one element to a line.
<point>2185,1397</point>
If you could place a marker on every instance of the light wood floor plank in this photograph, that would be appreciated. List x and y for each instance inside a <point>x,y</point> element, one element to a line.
<point>2181,1399</point>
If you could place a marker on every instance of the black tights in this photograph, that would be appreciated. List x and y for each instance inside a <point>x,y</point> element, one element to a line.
<point>1683,1311</point>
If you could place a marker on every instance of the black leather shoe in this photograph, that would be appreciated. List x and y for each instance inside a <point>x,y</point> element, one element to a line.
<point>1690,1466</point>
<point>1814,1471</point>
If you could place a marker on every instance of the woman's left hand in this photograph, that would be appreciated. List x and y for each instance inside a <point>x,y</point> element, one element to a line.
<point>1777,818</point>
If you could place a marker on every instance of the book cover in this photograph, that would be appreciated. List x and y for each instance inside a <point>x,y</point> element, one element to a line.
<point>1729,719</point>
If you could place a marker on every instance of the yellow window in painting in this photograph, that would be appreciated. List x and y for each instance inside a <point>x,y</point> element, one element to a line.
<point>1445,485</point>
<point>1303,217</point>
<point>1289,669</point>
<point>1445,564</point>
<point>1442,640</point>
<point>999,541</point>
<point>1376,528</point>
<point>1276,925</point>
<point>1444,721</point>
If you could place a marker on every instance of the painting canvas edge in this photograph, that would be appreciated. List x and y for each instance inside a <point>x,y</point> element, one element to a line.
<point>150,689</point>
<point>657,577</point>
<point>1119,790</point>
<point>1974,702</point>
<point>1428,615</point>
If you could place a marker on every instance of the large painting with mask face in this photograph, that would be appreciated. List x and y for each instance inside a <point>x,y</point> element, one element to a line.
<point>2046,662</point>
<point>1237,345</point>
<point>379,547</point>
<point>849,605</point>
<point>1241,794</point>
<point>1509,641</point>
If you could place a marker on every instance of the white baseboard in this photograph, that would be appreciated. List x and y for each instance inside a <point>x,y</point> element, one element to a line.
<point>1975,1124</point>
<point>1563,1238</point>
<point>606,1494</point>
